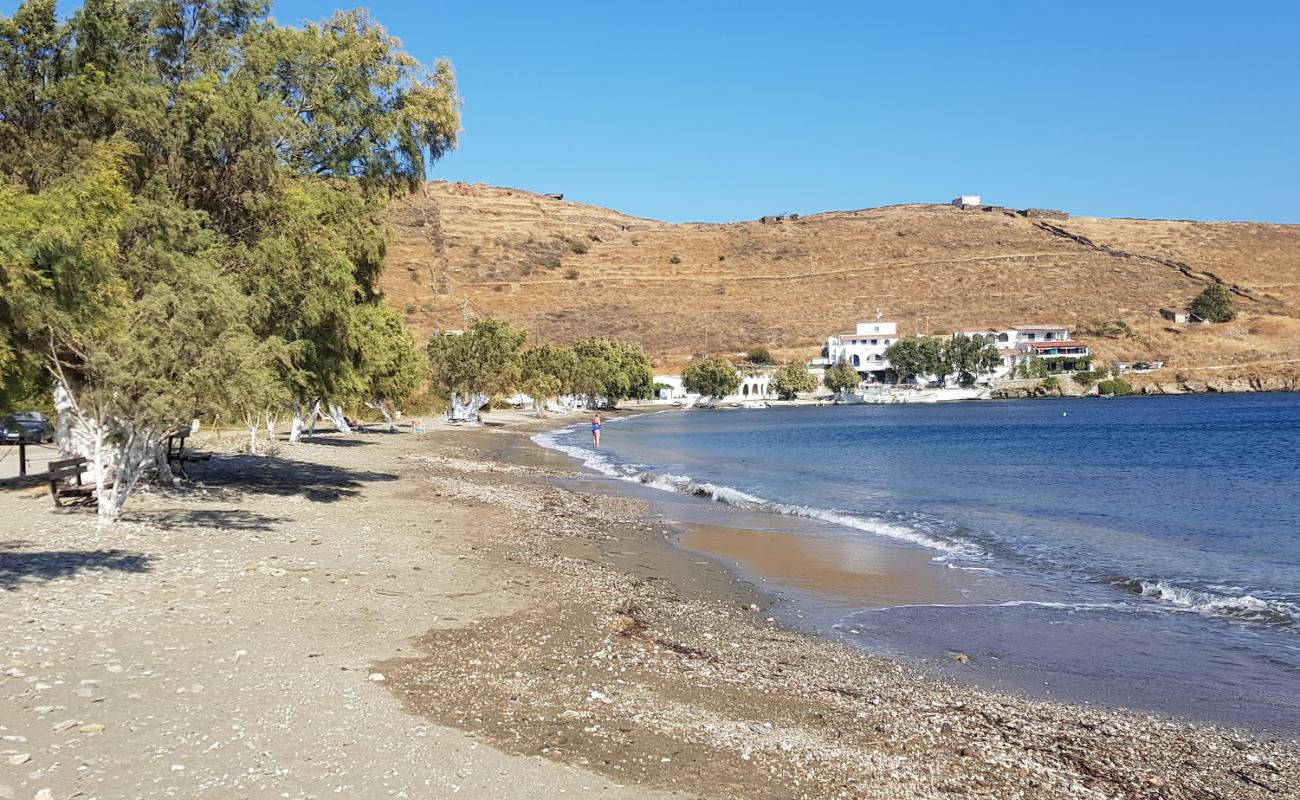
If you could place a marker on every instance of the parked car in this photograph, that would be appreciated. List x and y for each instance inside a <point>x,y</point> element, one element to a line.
<point>31,427</point>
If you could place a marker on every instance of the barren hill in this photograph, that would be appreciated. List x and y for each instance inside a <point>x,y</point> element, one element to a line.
<point>565,270</point>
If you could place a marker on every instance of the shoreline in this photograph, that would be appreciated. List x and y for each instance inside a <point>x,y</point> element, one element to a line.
<point>954,625</point>
<point>423,616</point>
<point>639,670</point>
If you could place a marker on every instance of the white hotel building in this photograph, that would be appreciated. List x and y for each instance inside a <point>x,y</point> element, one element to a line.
<point>1018,344</point>
<point>864,349</point>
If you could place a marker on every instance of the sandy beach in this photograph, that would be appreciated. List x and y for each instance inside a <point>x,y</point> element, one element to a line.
<point>456,614</point>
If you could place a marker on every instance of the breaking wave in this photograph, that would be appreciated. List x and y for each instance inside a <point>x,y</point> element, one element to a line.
<point>1223,601</point>
<point>735,498</point>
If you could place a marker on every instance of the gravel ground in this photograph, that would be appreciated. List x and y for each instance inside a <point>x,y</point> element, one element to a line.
<point>220,642</point>
<point>383,616</point>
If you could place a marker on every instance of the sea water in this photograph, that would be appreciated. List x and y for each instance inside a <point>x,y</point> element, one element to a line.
<point>1139,552</point>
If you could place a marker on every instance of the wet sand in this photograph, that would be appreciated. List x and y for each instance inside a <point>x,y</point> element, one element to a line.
<point>832,572</point>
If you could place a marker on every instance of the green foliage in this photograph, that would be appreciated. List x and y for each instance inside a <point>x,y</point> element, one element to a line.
<point>969,357</point>
<point>759,355</point>
<point>193,171</point>
<point>612,369</point>
<point>841,377</point>
<point>1214,304</point>
<point>1050,382</point>
<point>914,356</point>
<point>792,378</point>
<point>1035,367</point>
<point>1088,378</point>
<point>1115,386</point>
<point>390,367</point>
<point>675,260</point>
<point>548,372</point>
<point>715,377</point>
<point>484,360</point>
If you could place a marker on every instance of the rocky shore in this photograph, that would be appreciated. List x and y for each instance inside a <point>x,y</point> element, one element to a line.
<point>456,614</point>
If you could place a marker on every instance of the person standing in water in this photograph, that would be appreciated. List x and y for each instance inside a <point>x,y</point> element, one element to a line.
<point>595,429</point>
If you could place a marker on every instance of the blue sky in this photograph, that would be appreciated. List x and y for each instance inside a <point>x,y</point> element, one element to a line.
<point>726,111</point>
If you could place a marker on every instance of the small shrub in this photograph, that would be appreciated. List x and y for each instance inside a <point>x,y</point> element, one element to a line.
<point>580,247</point>
<point>675,260</point>
<point>1086,378</point>
<point>1214,304</point>
<point>722,258</point>
<point>759,355</point>
<point>553,263</point>
<point>1115,386</point>
<point>1050,382</point>
<point>571,274</point>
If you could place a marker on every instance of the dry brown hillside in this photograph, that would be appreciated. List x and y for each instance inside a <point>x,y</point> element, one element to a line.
<point>565,271</point>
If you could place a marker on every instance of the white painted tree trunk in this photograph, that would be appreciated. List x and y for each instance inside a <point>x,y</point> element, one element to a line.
<point>131,452</point>
<point>295,427</point>
<point>382,408</point>
<point>271,420</point>
<point>340,421</point>
<point>465,409</point>
<point>252,422</point>
<point>315,415</point>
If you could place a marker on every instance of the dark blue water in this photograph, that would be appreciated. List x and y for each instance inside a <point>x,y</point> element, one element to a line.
<point>1135,551</point>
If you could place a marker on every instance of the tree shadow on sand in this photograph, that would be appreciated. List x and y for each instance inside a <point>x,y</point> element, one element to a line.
<point>225,519</point>
<point>231,477</point>
<point>19,565</point>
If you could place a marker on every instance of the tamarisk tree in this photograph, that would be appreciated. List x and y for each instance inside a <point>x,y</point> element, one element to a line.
<point>191,216</point>
<point>469,369</point>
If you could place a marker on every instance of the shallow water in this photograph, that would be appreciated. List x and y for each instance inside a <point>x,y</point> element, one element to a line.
<point>1142,552</point>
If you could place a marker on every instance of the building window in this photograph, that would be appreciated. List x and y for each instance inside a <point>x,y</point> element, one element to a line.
<point>875,341</point>
<point>856,361</point>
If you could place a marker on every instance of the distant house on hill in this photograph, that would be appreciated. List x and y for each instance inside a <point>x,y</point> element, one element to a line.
<point>1181,316</point>
<point>967,201</point>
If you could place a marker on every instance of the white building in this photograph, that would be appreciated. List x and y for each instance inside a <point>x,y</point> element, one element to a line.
<point>752,387</point>
<point>864,349</point>
<point>967,201</point>
<point>1019,344</point>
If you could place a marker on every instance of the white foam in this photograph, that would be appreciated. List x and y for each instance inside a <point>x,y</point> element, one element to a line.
<point>684,484</point>
<point>1245,606</point>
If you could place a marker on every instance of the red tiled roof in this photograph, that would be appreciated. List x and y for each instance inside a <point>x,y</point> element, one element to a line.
<point>1039,327</point>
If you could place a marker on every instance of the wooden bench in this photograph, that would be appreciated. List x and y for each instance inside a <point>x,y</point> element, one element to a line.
<point>176,454</point>
<point>60,472</point>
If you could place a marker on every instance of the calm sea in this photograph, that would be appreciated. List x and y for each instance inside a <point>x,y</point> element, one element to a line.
<point>1140,552</point>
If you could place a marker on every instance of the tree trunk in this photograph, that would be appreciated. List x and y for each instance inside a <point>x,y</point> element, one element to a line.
<point>465,409</point>
<point>295,427</point>
<point>252,423</point>
<point>382,408</point>
<point>130,456</point>
<point>340,421</point>
<point>315,415</point>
